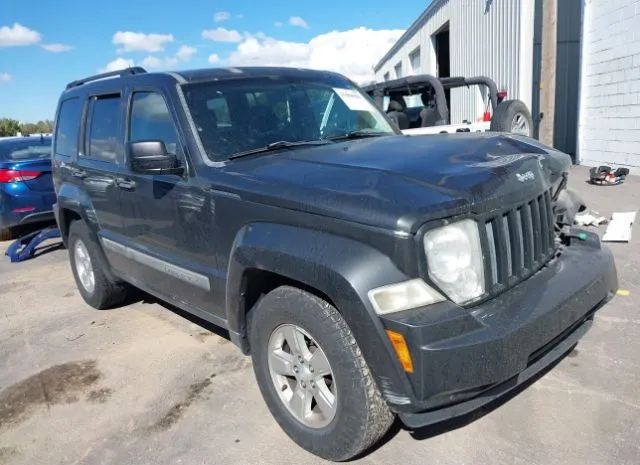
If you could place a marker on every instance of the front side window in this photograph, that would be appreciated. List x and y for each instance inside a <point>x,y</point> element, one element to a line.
<point>150,120</point>
<point>241,115</point>
<point>103,129</point>
<point>67,127</point>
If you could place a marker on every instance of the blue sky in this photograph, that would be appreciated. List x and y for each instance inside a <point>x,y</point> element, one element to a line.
<point>46,44</point>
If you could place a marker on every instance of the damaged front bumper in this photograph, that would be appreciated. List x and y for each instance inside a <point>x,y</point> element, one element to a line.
<point>465,358</point>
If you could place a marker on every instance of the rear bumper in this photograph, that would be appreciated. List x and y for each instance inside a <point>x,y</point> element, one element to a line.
<point>465,358</point>
<point>25,207</point>
<point>11,219</point>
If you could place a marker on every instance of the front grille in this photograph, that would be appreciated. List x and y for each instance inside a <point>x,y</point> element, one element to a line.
<point>518,242</point>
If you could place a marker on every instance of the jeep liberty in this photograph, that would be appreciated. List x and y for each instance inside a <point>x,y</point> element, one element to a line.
<point>368,274</point>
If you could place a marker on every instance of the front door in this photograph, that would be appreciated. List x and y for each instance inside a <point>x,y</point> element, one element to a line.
<point>168,218</point>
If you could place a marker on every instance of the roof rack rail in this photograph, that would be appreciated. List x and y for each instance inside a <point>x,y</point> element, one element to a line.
<point>119,73</point>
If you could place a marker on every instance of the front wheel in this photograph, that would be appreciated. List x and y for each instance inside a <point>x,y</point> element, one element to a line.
<point>313,377</point>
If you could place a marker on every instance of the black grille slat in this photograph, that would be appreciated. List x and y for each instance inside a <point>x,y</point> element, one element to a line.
<point>527,229</point>
<point>550,219</point>
<point>535,224</point>
<point>508,245</point>
<point>493,263</point>
<point>544,225</point>
<point>517,250</point>
<point>519,241</point>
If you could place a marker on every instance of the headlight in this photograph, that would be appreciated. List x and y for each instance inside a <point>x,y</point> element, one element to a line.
<point>455,262</point>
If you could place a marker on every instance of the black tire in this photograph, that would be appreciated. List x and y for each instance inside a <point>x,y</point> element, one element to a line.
<point>107,292</point>
<point>362,416</point>
<point>507,113</point>
<point>6,234</point>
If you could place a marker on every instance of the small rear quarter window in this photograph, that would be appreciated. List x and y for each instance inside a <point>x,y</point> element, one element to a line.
<point>68,127</point>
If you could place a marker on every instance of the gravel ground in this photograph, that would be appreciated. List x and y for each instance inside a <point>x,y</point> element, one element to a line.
<point>147,384</point>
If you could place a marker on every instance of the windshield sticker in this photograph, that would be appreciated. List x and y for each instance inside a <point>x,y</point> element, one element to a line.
<point>353,99</point>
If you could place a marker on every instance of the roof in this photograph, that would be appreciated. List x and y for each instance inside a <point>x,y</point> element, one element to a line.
<point>208,74</point>
<point>197,75</point>
<point>410,32</point>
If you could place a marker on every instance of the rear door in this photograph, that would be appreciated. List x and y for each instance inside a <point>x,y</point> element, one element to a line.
<point>100,160</point>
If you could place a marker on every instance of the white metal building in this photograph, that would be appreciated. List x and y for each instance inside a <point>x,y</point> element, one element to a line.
<point>492,39</point>
<point>597,66</point>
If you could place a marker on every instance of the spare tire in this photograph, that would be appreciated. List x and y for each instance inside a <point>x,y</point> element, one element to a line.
<point>512,116</point>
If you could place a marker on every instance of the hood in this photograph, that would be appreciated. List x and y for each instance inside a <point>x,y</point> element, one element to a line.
<point>400,182</point>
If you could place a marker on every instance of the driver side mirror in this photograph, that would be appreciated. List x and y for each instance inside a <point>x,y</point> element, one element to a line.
<point>151,157</point>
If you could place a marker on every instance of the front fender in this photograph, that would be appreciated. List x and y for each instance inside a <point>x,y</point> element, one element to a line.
<point>342,269</point>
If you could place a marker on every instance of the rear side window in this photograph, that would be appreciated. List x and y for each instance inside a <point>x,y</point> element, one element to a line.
<point>68,126</point>
<point>32,150</point>
<point>151,120</point>
<point>103,128</point>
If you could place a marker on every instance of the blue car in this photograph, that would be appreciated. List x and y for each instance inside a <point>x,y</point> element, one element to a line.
<point>26,188</point>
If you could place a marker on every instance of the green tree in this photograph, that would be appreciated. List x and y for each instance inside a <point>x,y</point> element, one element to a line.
<point>9,127</point>
<point>40,127</point>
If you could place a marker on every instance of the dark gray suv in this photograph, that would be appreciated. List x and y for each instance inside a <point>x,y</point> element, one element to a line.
<point>369,275</point>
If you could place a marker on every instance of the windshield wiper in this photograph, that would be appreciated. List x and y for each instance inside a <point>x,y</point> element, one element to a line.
<point>359,134</point>
<point>281,144</point>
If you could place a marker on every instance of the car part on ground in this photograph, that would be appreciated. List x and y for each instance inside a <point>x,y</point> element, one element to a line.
<point>282,205</point>
<point>607,176</point>
<point>25,248</point>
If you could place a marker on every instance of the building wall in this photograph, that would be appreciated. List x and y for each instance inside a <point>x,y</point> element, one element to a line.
<point>609,128</point>
<point>493,38</point>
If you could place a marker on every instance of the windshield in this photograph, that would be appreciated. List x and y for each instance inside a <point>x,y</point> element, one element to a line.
<point>241,115</point>
<point>25,150</point>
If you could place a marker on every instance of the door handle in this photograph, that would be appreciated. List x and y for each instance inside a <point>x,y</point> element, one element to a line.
<point>127,184</point>
<point>77,173</point>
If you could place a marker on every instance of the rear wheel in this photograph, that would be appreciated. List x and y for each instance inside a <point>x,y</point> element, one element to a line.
<point>512,116</point>
<point>313,376</point>
<point>97,288</point>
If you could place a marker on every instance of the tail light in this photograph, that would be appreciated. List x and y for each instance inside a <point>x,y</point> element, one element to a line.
<point>486,116</point>
<point>8,176</point>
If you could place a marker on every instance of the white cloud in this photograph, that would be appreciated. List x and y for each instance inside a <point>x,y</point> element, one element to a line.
<point>298,21</point>
<point>221,34</point>
<point>56,48</point>
<point>278,24</point>
<point>16,35</point>
<point>185,53</point>
<point>5,77</point>
<point>141,42</point>
<point>117,64</point>
<point>153,62</point>
<point>352,53</point>
<point>221,16</point>
<point>214,58</point>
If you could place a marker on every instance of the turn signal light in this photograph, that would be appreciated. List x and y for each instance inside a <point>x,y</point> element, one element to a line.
<point>402,350</point>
